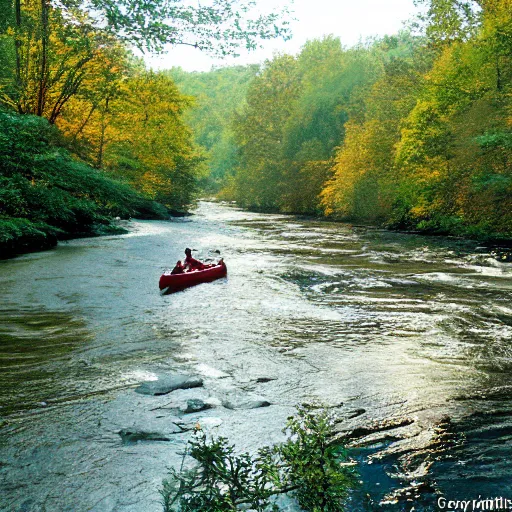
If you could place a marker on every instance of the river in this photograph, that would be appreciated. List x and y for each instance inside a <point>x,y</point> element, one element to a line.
<point>407,337</point>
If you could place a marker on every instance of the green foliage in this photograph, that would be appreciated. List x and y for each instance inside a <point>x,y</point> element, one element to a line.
<point>495,140</point>
<point>306,467</point>
<point>433,150</point>
<point>45,193</point>
<point>218,95</point>
<point>70,63</point>
<point>449,20</point>
<point>314,466</point>
<point>288,142</point>
<point>260,180</point>
<point>219,27</point>
<point>321,110</point>
<point>221,479</point>
<point>409,131</point>
<point>20,235</point>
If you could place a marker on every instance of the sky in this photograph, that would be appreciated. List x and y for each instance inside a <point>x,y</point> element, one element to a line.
<point>350,20</point>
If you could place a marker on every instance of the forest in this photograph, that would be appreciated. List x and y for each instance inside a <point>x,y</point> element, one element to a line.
<point>87,132</point>
<point>411,131</point>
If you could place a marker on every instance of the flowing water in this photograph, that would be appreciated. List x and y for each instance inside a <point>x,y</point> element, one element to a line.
<point>407,338</point>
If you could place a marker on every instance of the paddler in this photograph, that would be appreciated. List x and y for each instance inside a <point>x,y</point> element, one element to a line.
<point>178,268</point>
<point>192,263</point>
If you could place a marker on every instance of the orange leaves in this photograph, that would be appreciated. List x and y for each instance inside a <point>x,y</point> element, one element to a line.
<point>361,163</point>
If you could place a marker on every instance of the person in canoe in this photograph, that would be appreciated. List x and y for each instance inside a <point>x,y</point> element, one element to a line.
<point>179,268</point>
<point>192,263</point>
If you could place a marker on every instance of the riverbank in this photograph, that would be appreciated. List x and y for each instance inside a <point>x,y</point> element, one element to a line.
<point>21,236</point>
<point>499,244</point>
<point>47,195</point>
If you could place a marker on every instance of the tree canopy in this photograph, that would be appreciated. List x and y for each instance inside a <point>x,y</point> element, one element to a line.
<point>71,63</point>
<point>411,131</point>
<point>215,26</point>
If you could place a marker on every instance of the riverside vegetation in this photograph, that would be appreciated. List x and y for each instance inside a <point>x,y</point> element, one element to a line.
<point>307,467</point>
<point>86,131</point>
<point>411,131</point>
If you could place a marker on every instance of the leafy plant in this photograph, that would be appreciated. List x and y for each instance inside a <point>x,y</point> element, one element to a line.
<point>307,467</point>
<point>45,194</point>
<point>313,465</point>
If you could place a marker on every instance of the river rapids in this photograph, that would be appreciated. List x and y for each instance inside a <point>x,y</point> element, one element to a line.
<point>406,338</point>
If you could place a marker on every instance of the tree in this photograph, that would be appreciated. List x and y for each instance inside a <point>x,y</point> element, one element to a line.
<point>365,175</point>
<point>218,94</point>
<point>317,125</point>
<point>55,42</point>
<point>129,122</point>
<point>259,181</point>
<point>153,133</point>
<point>54,52</point>
<point>446,21</point>
<point>215,26</point>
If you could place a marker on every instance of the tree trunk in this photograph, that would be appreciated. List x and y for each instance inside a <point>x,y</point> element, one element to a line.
<point>84,123</point>
<point>99,160</point>
<point>41,97</point>
<point>17,46</point>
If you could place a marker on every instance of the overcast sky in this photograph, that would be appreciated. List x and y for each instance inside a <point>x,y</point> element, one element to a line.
<point>350,20</point>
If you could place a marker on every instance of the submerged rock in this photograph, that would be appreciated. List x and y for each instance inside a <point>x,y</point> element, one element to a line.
<point>247,404</point>
<point>129,436</point>
<point>263,380</point>
<point>355,413</point>
<point>196,405</point>
<point>168,383</point>
<point>379,427</point>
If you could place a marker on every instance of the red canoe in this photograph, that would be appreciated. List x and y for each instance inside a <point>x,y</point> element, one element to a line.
<point>179,281</point>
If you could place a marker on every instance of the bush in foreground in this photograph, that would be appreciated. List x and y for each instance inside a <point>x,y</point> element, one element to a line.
<point>307,468</point>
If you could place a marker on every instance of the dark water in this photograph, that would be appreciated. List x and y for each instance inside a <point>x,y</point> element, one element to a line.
<point>410,337</point>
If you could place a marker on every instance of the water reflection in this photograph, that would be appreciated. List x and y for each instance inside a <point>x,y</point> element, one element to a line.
<point>34,346</point>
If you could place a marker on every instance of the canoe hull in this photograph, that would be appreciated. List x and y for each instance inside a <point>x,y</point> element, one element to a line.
<point>174,282</point>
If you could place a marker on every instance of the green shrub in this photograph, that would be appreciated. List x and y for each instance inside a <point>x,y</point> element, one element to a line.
<point>307,467</point>
<point>19,235</point>
<point>57,195</point>
<point>313,465</point>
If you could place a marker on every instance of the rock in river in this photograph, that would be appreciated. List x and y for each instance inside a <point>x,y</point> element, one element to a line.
<point>246,404</point>
<point>167,383</point>
<point>263,380</point>
<point>196,405</point>
<point>129,436</point>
